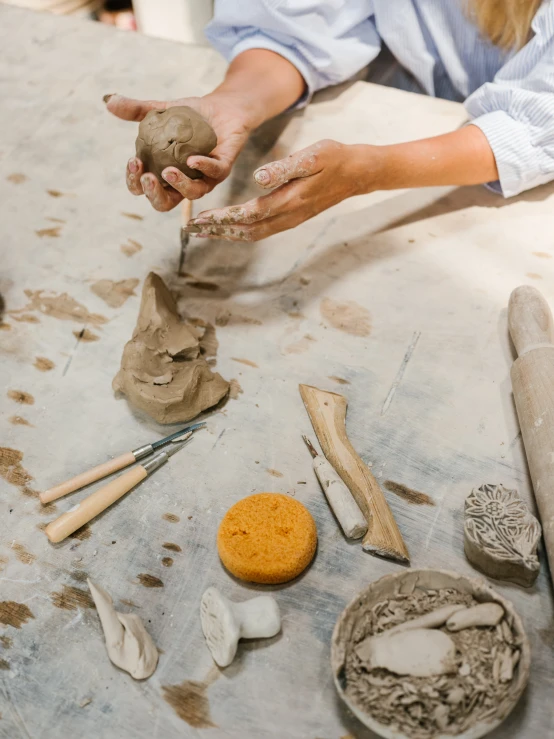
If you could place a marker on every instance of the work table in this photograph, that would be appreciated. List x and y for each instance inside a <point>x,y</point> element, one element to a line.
<point>430,270</point>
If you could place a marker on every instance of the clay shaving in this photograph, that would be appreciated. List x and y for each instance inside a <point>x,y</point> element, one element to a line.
<point>476,688</point>
<point>164,371</point>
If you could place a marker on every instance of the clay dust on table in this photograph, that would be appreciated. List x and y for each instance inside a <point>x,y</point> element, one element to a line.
<point>17,178</point>
<point>84,533</point>
<point>115,293</point>
<point>349,317</point>
<point>14,614</point>
<point>133,216</point>
<point>61,306</point>
<point>26,318</point>
<point>274,473</point>
<point>52,232</point>
<point>235,319</point>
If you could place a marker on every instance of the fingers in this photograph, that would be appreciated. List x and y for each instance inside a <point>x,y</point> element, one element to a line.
<point>215,169</point>
<point>190,189</point>
<point>250,212</point>
<point>133,173</point>
<point>301,164</point>
<point>160,198</point>
<point>129,109</point>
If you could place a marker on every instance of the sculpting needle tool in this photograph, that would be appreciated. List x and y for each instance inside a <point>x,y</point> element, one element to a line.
<point>186,215</point>
<point>103,498</point>
<point>105,469</point>
<point>339,497</point>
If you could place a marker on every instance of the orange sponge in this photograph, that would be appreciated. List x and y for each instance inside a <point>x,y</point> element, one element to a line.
<point>267,538</point>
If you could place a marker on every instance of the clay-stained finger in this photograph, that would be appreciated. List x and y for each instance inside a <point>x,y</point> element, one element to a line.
<point>250,212</point>
<point>129,109</point>
<point>190,189</point>
<point>133,173</point>
<point>301,164</point>
<point>215,169</point>
<point>160,198</point>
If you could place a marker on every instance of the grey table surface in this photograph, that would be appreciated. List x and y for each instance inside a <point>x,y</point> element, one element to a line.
<point>438,264</point>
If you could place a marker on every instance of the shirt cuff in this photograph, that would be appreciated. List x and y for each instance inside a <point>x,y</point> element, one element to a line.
<point>515,155</point>
<point>261,41</point>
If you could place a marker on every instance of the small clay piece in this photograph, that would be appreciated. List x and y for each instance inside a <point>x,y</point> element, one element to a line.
<point>485,614</point>
<point>501,535</point>
<point>267,538</point>
<point>128,643</point>
<point>413,683</point>
<point>225,622</point>
<point>417,652</point>
<point>164,371</point>
<point>167,138</point>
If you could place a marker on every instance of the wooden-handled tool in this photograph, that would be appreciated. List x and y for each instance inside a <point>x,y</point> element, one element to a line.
<point>90,507</point>
<point>532,331</point>
<point>327,413</point>
<point>343,505</point>
<point>112,465</point>
<point>186,215</point>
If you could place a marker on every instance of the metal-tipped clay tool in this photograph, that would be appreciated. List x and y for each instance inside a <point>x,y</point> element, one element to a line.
<point>101,499</point>
<point>186,215</point>
<point>105,469</point>
<point>343,505</point>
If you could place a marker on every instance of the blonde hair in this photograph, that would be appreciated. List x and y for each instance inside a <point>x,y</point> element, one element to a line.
<point>507,23</point>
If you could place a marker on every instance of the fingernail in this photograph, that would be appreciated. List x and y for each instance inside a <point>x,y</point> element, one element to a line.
<point>133,166</point>
<point>203,236</point>
<point>169,176</point>
<point>262,177</point>
<point>200,221</point>
<point>147,183</point>
<point>107,97</point>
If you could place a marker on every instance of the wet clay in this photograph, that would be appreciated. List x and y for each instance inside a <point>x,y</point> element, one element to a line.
<point>115,293</point>
<point>349,317</point>
<point>167,138</point>
<point>129,645</point>
<point>164,371</point>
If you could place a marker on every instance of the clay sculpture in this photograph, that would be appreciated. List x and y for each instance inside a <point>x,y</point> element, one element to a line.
<point>501,535</point>
<point>225,622</point>
<point>164,371</point>
<point>128,643</point>
<point>167,138</point>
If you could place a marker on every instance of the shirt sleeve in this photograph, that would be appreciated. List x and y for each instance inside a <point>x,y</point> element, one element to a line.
<point>516,111</point>
<point>328,41</point>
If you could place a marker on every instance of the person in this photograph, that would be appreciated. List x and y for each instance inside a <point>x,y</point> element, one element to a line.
<point>495,55</point>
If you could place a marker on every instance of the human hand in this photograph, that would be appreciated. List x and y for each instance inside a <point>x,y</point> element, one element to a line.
<point>225,114</point>
<point>306,183</point>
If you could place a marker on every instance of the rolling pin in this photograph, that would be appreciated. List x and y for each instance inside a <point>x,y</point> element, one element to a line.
<point>532,331</point>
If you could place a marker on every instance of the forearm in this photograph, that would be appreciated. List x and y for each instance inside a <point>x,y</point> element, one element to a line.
<point>263,83</point>
<point>462,157</point>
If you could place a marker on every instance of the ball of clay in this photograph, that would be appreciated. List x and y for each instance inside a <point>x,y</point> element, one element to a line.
<point>167,138</point>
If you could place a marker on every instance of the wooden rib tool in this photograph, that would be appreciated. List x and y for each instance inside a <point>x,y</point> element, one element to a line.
<point>532,331</point>
<point>327,412</point>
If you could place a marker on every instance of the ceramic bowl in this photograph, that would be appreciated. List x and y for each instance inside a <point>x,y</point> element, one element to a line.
<point>405,583</point>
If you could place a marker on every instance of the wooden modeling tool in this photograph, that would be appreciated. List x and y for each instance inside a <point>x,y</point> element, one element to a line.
<point>186,215</point>
<point>532,331</point>
<point>106,468</point>
<point>327,412</point>
<point>343,505</point>
<point>101,499</point>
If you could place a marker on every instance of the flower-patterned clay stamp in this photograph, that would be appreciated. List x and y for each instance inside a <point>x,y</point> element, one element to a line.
<point>501,535</point>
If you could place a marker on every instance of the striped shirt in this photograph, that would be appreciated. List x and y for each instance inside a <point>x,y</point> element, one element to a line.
<point>508,95</point>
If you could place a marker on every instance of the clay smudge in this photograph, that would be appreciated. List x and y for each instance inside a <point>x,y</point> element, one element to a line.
<point>248,362</point>
<point>53,232</point>
<point>234,389</point>
<point>5,326</point>
<point>55,220</point>
<point>133,216</point>
<point>47,509</point>
<point>14,614</point>
<point>19,396</point>
<point>26,318</point>
<point>274,473</point>
<point>190,702</point>
<point>349,317</point>
<point>61,306</point>
<point>235,319</point>
<point>6,642</point>
<point>29,492</point>
<point>149,581</point>
<point>22,554</point>
<point>408,494</point>
<point>131,248</point>
<point>533,276</point>
<point>84,533</point>
<point>167,561</point>
<point>79,575</point>
<point>542,254</point>
<point>301,346</point>
<point>17,178</point>
<point>43,364</point>
<point>171,547</point>
<point>4,665</point>
<point>41,526</point>
<point>115,293</point>
<point>11,468</point>
<point>71,598</point>
<point>129,603</point>
<point>19,421</point>
<point>171,517</point>
<point>85,334</point>
<point>55,193</point>
<point>339,380</point>
<point>3,561</point>
<point>199,285</point>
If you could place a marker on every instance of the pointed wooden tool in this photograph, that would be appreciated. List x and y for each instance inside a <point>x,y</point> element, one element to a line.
<point>327,412</point>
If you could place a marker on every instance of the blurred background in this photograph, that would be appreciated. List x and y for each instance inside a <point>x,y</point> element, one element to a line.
<point>176,20</point>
